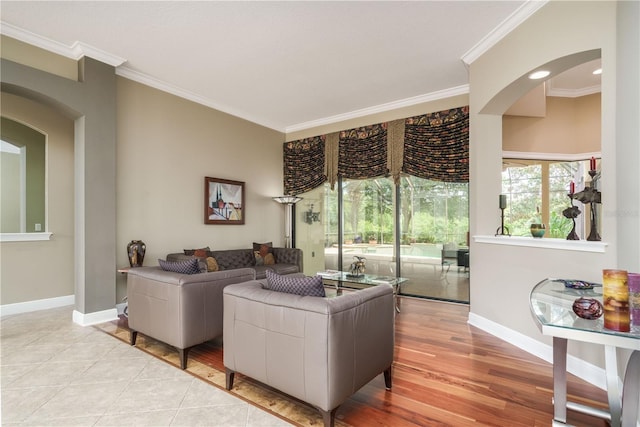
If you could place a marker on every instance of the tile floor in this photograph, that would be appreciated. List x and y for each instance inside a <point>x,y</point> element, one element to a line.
<point>54,372</point>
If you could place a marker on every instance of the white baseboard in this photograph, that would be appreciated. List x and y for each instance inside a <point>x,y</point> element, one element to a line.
<point>37,305</point>
<point>88,319</point>
<point>84,319</point>
<point>578,367</point>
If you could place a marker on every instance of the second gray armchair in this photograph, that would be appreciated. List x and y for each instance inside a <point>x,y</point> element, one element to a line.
<point>319,350</point>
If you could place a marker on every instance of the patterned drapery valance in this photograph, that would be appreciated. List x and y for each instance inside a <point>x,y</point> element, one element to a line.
<point>436,146</point>
<point>432,146</point>
<point>304,165</point>
<point>362,152</point>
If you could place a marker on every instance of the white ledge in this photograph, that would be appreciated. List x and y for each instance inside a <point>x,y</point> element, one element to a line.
<point>561,244</point>
<point>24,237</point>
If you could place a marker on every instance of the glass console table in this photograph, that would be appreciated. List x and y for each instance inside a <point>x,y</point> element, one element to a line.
<point>551,305</point>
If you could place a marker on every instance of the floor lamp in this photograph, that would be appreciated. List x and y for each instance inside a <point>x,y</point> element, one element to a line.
<point>288,201</point>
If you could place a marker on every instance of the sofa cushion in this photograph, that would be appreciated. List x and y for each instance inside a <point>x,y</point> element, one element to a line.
<point>200,253</point>
<point>269,259</point>
<point>212,264</point>
<point>305,286</point>
<point>259,259</point>
<point>191,252</point>
<point>234,258</point>
<point>263,248</point>
<point>189,266</point>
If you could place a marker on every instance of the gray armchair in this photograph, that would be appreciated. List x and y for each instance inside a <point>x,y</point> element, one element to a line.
<point>181,310</point>
<point>319,350</point>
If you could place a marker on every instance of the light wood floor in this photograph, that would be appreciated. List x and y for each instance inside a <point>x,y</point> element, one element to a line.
<point>449,373</point>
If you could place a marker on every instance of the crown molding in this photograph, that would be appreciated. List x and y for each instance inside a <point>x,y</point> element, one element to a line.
<point>382,108</point>
<point>147,80</point>
<point>525,155</point>
<point>573,93</point>
<point>76,51</point>
<point>505,27</point>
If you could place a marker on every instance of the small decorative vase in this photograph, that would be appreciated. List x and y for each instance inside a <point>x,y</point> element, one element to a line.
<point>135,252</point>
<point>615,300</point>
<point>537,230</point>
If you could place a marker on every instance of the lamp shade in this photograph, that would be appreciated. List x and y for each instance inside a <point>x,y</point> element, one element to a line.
<point>287,199</point>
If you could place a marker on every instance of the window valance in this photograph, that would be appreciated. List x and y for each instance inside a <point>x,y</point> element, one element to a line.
<point>433,146</point>
<point>436,146</point>
<point>362,152</point>
<point>304,165</point>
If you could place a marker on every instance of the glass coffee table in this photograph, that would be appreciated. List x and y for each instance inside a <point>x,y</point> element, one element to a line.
<point>342,280</point>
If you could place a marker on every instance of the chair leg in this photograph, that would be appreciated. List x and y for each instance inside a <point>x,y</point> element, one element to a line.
<point>387,378</point>
<point>132,337</point>
<point>328,417</point>
<point>229,375</point>
<point>183,357</point>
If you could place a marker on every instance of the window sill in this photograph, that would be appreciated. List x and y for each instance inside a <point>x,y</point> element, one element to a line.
<point>24,237</point>
<point>561,244</point>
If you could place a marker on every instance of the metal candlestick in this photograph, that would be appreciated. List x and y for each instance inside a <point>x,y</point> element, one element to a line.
<point>593,234</point>
<point>592,196</point>
<point>572,212</point>
<point>501,230</point>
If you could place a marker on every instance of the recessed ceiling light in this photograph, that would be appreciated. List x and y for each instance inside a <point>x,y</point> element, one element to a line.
<point>598,71</point>
<point>539,74</point>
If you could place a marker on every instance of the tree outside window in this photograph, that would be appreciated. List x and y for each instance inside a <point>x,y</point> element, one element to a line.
<point>537,193</point>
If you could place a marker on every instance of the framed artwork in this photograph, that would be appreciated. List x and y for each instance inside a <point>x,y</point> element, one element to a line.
<point>223,201</point>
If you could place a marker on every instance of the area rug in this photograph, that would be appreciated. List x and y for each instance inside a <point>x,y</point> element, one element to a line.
<point>205,362</point>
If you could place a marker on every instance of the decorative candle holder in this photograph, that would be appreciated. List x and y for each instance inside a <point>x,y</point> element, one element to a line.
<point>503,230</point>
<point>593,197</point>
<point>593,234</point>
<point>572,213</point>
<point>615,300</point>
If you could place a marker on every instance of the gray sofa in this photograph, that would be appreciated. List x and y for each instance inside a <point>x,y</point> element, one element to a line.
<point>181,310</point>
<point>319,350</point>
<point>288,260</point>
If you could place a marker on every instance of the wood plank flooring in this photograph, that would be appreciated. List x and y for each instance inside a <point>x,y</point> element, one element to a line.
<point>448,373</point>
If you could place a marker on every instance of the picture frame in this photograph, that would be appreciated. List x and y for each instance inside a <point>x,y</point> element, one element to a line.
<point>224,201</point>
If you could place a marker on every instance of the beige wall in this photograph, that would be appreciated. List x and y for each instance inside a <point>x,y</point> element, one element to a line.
<point>43,269</point>
<point>166,146</point>
<point>571,126</point>
<point>502,276</point>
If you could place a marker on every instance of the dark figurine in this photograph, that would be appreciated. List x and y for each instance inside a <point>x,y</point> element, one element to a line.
<point>572,213</point>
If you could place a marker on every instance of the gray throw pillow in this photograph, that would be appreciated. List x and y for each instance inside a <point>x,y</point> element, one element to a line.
<point>189,266</point>
<point>305,286</point>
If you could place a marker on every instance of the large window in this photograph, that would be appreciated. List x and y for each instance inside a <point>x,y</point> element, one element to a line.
<point>537,193</point>
<point>427,214</point>
<point>434,211</point>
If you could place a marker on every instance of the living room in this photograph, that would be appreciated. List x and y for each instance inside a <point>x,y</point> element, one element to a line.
<point>142,179</point>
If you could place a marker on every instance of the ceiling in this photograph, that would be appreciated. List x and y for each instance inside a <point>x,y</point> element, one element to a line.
<point>286,65</point>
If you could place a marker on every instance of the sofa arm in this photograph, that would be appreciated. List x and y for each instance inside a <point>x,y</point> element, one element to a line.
<point>181,310</point>
<point>289,256</point>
